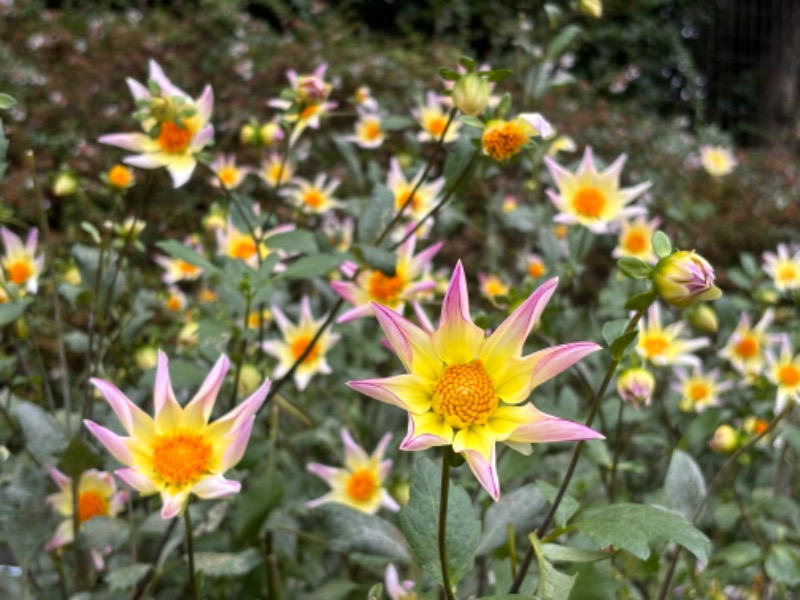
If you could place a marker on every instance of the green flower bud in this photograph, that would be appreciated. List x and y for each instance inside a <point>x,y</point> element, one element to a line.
<point>683,278</point>
<point>471,94</point>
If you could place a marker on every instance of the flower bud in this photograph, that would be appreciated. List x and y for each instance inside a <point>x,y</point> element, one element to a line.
<point>471,94</point>
<point>248,135</point>
<point>683,278</point>
<point>725,439</point>
<point>636,386</point>
<point>703,318</point>
<point>146,358</point>
<point>593,8</point>
<point>72,276</point>
<point>270,133</point>
<point>65,184</point>
<point>249,380</point>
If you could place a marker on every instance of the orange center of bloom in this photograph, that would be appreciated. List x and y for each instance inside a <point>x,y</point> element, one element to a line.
<point>503,141</point>
<point>243,248</point>
<point>174,138</point>
<point>589,202</point>
<point>653,346</point>
<point>789,375</point>
<point>698,391</point>
<point>119,176</point>
<point>561,231</point>
<point>228,176</point>
<point>786,273</point>
<point>174,303</point>
<point>361,485</point>
<point>181,457</point>
<point>759,426</point>
<point>19,271</point>
<point>385,289</point>
<point>90,505</point>
<point>436,125</point>
<point>299,345</point>
<point>187,269</point>
<point>635,242</point>
<point>747,347</point>
<point>464,395</point>
<point>308,112</point>
<point>372,130</point>
<point>536,269</point>
<point>402,198</point>
<point>314,198</point>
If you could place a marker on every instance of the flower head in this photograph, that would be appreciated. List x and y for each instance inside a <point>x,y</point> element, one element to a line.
<point>275,170</point>
<point>226,173</point>
<point>717,160</point>
<point>471,94</point>
<point>634,239</point>
<point>179,452</point>
<point>468,390</point>
<point>176,127</point>
<point>234,243</point>
<point>368,131</point>
<point>120,177</point>
<point>20,264</point>
<point>364,100</point>
<point>423,199</point>
<point>663,346</point>
<point>784,371</point>
<point>315,198</point>
<point>745,348</point>
<point>724,440</point>
<point>535,266</point>
<point>296,339</point>
<point>433,118</point>
<point>698,390</point>
<point>409,281</point>
<point>683,278</point>
<point>359,484</point>
<point>783,267</point>
<point>503,139</point>
<point>176,269</point>
<point>492,286</point>
<point>636,386</point>
<point>591,198</point>
<point>97,497</point>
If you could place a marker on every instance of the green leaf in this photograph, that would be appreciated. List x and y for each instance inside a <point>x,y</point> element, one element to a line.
<point>783,564</point>
<point>738,554</point>
<point>568,504</point>
<point>226,564</point>
<point>298,240</point>
<point>376,214</point>
<point>555,552</point>
<point>180,251</point>
<point>312,266</point>
<point>449,74</point>
<point>509,597</point>
<point>472,121</point>
<point>684,485</point>
<point>263,491</point>
<point>44,438</point>
<point>613,330</point>
<point>620,345</point>
<point>633,527</point>
<point>7,101</point>
<point>79,457</point>
<point>467,63</point>
<point>11,311</point>
<point>396,123</point>
<point>458,158</point>
<point>353,531</point>
<point>562,41</point>
<point>419,521</point>
<point>350,156</point>
<point>634,268</point>
<point>497,75</point>
<point>661,244</point>
<point>641,301</point>
<point>503,106</point>
<point>380,259</point>
<point>127,577</point>
<point>104,532</point>
<point>553,584</point>
<point>375,592</point>
<point>519,508</point>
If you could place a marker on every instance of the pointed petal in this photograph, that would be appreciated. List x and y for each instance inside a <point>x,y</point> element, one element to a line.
<point>136,142</point>
<point>157,75</point>
<point>206,396</point>
<point>552,361</point>
<point>133,478</point>
<point>324,472</point>
<point>201,139</point>
<point>364,310</point>
<point>62,537</point>
<point>181,170</point>
<point>216,486</point>
<point>426,431</point>
<point>235,451</point>
<point>205,104</point>
<point>485,471</point>
<point>138,91</point>
<point>410,343</point>
<point>409,392</point>
<point>458,339</point>
<point>173,504</point>
<point>119,402</point>
<point>543,428</point>
<point>355,457</point>
<point>388,502</point>
<point>144,161</point>
<point>113,443</point>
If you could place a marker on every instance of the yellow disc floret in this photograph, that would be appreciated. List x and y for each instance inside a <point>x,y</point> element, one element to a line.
<point>589,202</point>
<point>654,345</point>
<point>19,271</point>
<point>313,198</point>
<point>361,485</point>
<point>385,289</point>
<point>698,391</point>
<point>464,395</point>
<point>228,176</point>
<point>747,347</point>
<point>299,345</point>
<point>91,504</point>
<point>173,138</point>
<point>180,458</point>
<point>789,375</point>
<point>119,176</point>
<point>635,242</point>
<point>503,141</point>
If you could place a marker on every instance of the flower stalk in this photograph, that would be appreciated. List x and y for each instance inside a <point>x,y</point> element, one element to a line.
<point>447,454</point>
<point>190,552</point>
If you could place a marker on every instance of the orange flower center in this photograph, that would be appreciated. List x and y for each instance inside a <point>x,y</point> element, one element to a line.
<point>536,269</point>
<point>174,138</point>
<point>372,130</point>
<point>91,504</point>
<point>361,485</point>
<point>119,176</point>
<point>174,303</point>
<point>436,125</point>
<point>759,426</point>
<point>464,395</point>
<point>494,287</point>
<point>786,273</point>
<point>789,375</point>
<point>747,347</point>
<point>299,345</point>
<point>635,242</point>
<point>187,269</point>
<point>19,271</point>
<point>243,248</point>
<point>228,176</point>
<point>561,231</point>
<point>384,289</point>
<point>698,391</point>
<point>589,202</point>
<point>180,458</point>
<point>314,198</point>
<point>308,112</point>
<point>403,197</point>
<point>653,346</point>
<point>503,141</point>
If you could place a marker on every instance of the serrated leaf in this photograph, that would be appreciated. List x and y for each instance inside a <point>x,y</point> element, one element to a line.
<point>183,252</point>
<point>519,509</point>
<point>419,521</point>
<point>783,564</point>
<point>376,214</point>
<point>684,484</point>
<point>353,531</point>
<point>226,564</point>
<point>568,504</point>
<point>634,268</point>
<point>641,301</point>
<point>312,266</point>
<point>126,577</point>
<point>661,244</point>
<point>11,311</point>
<point>380,259</point>
<point>298,240</point>
<point>634,527</point>
<point>78,458</point>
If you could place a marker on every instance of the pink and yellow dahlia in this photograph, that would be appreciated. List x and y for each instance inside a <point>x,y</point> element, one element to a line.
<point>784,372</point>
<point>179,452</point>
<point>745,348</point>
<point>466,390</point>
<point>784,268</point>
<point>20,264</point>
<point>663,345</point>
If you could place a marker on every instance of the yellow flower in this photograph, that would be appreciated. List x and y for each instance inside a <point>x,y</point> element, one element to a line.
<point>745,347</point>
<point>179,452</point>
<point>433,119</point>
<point>368,132</point>
<point>314,198</point>
<point>699,391</point>
<point>360,484</point>
<point>662,346</point>
<point>784,372</point>
<point>20,264</point>
<point>717,160</point>
<point>492,286</point>
<point>503,139</point>
<point>535,266</point>
<point>120,177</point>
<point>684,278</point>
<point>783,268</point>
<point>424,198</point>
<point>467,390</point>
<point>226,173</point>
<point>634,239</point>
<point>591,198</point>
<point>275,171</point>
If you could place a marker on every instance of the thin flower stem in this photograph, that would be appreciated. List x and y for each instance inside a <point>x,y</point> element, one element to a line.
<point>446,454</point>
<point>190,552</point>
<point>601,392</point>
<point>240,357</point>
<point>143,585</point>
<point>612,474</point>
<point>662,594</point>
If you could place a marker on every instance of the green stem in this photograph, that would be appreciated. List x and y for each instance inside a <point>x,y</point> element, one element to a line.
<point>446,454</point>
<point>662,594</point>
<point>601,391</point>
<point>240,358</point>
<point>612,474</point>
<point>190,552</point>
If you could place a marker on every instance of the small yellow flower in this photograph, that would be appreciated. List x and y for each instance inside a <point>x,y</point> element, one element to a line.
<point>20,264</point>
<point>535,266</point>
<point>745,348</point>
<point>634,239</point>
<point>510,204</point>
<point>369,133</point>
<point>424,198</point>
<point>432,117</point>
<point>784,268</point>
<point>175,301</point>
<point>226,173</point>
<point>662,346</point>
<point>698,390</point>
<point>717,160</point>
<point>784,372</point>
<point>120,177</point>
<point>313,198</point>
<point>275,171</point>
<point>503,139</point>
<point>492,286</point>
